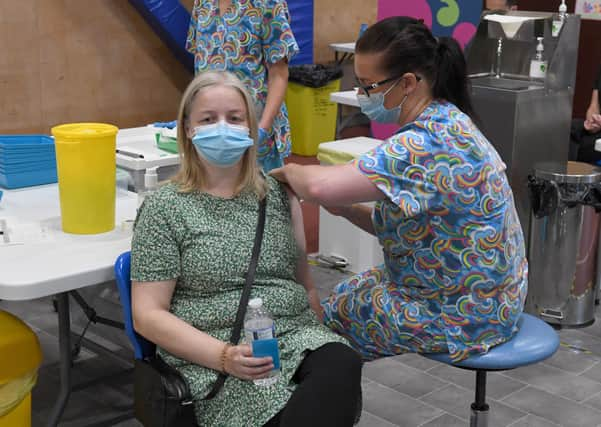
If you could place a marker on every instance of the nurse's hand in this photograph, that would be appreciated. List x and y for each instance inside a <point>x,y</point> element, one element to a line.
<point>280,174</point>
<point>338,210</point>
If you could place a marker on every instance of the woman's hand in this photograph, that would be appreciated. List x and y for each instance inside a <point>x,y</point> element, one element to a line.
<point>592,125</point>
<point>593,121</point>
<point>240,363</point>
<point>597,119</point>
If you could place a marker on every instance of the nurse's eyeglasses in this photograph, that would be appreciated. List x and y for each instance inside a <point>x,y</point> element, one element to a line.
<point>367,88</point>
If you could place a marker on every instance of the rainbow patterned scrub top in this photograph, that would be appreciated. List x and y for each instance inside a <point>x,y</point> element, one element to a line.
<point>455,272</point>
<point>251,34</point>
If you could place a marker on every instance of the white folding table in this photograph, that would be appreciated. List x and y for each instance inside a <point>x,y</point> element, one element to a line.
<point>347,97</point>
<point>347,50</point>
<point>41,260</point>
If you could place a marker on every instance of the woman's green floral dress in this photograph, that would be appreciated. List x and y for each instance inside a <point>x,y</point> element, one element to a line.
<point>205,243</point>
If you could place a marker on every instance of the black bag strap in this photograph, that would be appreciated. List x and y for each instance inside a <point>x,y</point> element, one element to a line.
<point>250,278</point>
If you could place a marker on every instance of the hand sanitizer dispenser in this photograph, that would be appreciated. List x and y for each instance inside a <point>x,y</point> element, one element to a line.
<point>538,66</point>
<point>151,184</point>
<point>558,22</point>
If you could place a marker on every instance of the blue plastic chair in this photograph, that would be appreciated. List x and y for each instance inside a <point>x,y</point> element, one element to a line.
<point>534,342</point>
<point>143,351</point>
<point>142,347</point>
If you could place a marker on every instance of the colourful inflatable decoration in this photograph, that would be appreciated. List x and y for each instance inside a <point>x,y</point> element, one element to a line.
<point>456,18</point>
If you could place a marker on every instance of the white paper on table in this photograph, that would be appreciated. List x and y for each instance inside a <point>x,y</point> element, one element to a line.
<point>17,233</point>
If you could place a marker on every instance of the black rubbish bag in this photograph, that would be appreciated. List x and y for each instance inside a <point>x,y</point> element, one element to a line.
<point>314,75</point>
<point>593,197</point>
<point>546,196</point>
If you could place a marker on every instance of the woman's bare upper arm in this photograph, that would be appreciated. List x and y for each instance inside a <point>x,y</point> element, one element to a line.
<point>297,219</point>
<point>147,296</point>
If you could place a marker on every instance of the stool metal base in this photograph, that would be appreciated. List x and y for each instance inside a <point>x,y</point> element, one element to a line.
<point>479,418</point>
<point>479,414</point>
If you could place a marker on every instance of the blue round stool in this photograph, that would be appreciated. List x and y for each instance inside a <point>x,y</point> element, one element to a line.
<point>535,341</point>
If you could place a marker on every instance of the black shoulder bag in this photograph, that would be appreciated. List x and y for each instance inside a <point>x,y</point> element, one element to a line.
<point>161,395</point>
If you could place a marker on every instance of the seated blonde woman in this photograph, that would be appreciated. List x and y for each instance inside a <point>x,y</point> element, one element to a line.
<point>191,248</point>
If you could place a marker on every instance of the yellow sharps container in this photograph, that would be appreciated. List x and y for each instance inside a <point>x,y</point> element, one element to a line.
<point>85,161</point>
<point>20,357</point>
<point>312,116</point>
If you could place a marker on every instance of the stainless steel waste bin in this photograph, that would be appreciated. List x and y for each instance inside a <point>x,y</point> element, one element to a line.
<point>598,279</point>
<point>564,235</point>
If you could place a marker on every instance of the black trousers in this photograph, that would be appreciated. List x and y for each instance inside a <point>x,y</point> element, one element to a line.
<point>328,392</point>
<point>582,143</point>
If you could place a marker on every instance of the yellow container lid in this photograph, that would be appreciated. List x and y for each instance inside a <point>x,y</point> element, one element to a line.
<point>19,348</point>
<point>333,157</point>
<point>345,150</point>
<point>84,130</point>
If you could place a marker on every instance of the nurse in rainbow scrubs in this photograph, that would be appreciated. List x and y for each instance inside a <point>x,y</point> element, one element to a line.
<point>455,273</point>
<point>253,40</point>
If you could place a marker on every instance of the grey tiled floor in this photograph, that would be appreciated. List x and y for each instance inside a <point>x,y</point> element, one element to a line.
<point>405,390</point>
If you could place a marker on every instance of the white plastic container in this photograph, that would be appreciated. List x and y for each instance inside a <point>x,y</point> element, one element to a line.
<point>123,180</point>
<point>337,236</point>
<point>137,151</point>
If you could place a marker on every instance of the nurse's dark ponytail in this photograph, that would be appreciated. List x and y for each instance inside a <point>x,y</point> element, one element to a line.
<point>451,82</point>
<point>408,46</point>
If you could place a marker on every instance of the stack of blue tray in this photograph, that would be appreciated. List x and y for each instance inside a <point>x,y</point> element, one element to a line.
<point>26,160</point>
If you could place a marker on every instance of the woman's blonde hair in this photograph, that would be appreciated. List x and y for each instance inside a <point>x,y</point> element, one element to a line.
<point>191,175</point>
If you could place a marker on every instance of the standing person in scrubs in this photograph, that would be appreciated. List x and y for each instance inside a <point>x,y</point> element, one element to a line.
<point>455,273</point>
<point>252,39</point>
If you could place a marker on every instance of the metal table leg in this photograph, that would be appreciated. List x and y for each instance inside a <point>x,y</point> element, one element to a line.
<point>339,59</point>
<point>64,339</point>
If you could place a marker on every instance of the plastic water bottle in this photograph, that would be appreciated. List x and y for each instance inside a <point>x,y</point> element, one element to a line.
<point>259,330</point>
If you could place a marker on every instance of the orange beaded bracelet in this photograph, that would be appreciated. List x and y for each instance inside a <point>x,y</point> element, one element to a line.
<point>224,356</point>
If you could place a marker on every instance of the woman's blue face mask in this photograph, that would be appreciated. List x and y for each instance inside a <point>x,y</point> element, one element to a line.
<point>222,144</point>
<point>373,106</point>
